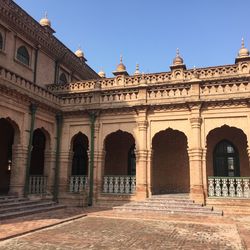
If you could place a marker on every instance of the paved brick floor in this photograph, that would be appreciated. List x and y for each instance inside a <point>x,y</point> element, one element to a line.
<point>109,230</point>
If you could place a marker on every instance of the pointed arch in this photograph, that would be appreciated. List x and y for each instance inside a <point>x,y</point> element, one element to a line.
<point>219,139</point>
<point>170,165</point>
<point>120,154</point>
<point>80,160</point>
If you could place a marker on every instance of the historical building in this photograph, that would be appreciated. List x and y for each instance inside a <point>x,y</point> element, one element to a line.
<point>69,133</point>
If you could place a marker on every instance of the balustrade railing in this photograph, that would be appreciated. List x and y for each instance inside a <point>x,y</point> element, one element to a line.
<point>231,187</point>
<point>37,184</point>
<point>78,183</point>
<point>125,184</point>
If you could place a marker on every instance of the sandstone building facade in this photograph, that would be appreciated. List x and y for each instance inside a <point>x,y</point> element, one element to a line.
<point>70,133</point>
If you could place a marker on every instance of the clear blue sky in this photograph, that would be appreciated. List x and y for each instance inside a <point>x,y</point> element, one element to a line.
<point>207,32</point>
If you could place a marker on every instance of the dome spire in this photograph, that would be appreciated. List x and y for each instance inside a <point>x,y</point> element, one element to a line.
<point>177,60</point>
<point>243,51</point>
<point>121,68</point>
<point>137,71</point>
<point>45,21</point>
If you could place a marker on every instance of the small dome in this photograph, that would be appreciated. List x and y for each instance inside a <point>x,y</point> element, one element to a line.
<point>243,52</point>
<point>102,74</point>
<point>45,21</point>
<point>177,60</point>
<point>79,53</point>
<point>120,67</point>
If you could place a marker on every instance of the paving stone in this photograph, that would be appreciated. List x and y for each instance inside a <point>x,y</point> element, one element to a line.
<point>97,232</point>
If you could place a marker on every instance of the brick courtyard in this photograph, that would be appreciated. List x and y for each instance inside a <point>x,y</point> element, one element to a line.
<point>110,230</point>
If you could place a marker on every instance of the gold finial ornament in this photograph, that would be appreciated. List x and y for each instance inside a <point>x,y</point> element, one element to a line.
<point>120,67</point>
<point>177,60</point>
<point>243,52</point>
<point>79,53</point>
<point>102,73</point>
<point>45,21</point>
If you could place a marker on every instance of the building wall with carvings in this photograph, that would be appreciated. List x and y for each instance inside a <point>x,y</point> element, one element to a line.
<point>146,133</point>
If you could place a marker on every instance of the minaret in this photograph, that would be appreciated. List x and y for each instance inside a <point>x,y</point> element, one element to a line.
<point>137,71</point>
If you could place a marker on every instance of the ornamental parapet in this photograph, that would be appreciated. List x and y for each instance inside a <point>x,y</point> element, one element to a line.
<point>27,88</point>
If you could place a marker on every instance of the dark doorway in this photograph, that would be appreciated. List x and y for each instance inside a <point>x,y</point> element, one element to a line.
<point>6,142</point>
<point>120,154</point>
<point>226,159</point>
<point>80,155</point>
<point>37,154</point>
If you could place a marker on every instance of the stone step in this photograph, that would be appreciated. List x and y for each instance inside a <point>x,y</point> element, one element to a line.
<point>29,211</point>
<point>162,204</point>
<point>18,203</point>
<point>169,210</point>
<point>20,207</point>
<point>7,197</point>
<point>168,200</point>
<point>13,200</point>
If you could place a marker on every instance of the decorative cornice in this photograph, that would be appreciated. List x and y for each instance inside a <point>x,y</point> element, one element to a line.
<point>24,24</point>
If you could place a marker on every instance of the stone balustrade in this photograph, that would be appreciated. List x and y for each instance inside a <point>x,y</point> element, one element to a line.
<point>229,187</point>
<point>78,183</point>
<point>38,184</point>
<point>33,89</point>
<point>116,184</point>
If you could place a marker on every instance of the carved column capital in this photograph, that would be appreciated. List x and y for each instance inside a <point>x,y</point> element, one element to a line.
<point>142,125</point>
<point>196,122</point>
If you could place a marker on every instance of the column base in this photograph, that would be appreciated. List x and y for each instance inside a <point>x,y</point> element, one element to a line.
<point>197,194</point>
<point>141,192</point>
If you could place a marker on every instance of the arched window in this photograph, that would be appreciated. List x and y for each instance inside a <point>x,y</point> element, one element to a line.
<point>131,161</point>
<point>226,159</point>
<point>1,41</point>
<point>23,55</point>
<point>62,79</point>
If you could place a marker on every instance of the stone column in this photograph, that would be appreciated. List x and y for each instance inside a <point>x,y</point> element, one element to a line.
<point>97,156</point>
<point>195,160</point>
<point>17,179</point>
<point>141,156</point>
<point>65,171</point>
<point>49,169</point>
<point>149,171</point>
<point>204,171</point>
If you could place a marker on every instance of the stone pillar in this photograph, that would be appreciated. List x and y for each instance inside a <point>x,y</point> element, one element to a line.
<point>97,156</point>
<point>195,160</point>
<point>141,156</point>
<point>149,171</point>
<point>18,173</point>
<point>204,171</point>
<point>99,173</point>
<point>49,169</point>
<point>65,171</point>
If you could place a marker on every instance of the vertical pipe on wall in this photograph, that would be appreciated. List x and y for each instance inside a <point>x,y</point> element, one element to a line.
<point>33,108</point>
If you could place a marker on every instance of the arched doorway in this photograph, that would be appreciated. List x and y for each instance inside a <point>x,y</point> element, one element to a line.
<point>37,153</point>
<point>80,155</point>
<point>120,154</point>
<point>170,166</point>
<point>6,142</point>
<point>120,163</point>
<point>226,159</point>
